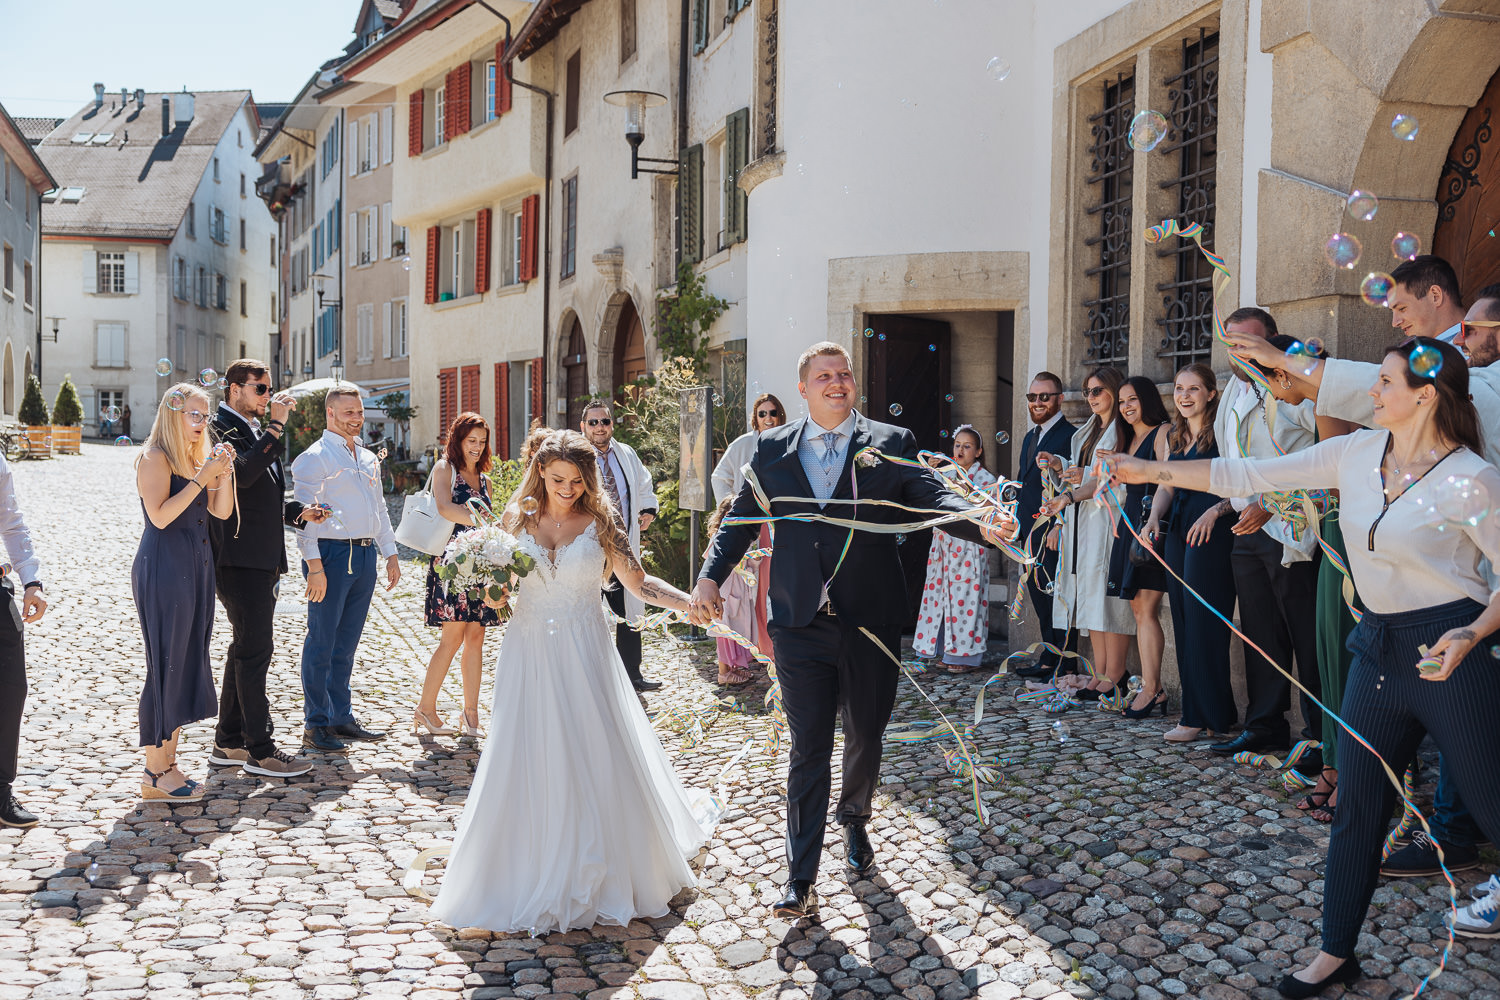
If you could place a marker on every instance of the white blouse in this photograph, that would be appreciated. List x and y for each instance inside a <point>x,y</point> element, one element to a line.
<point>728,476</point>
<point>1416,562</point>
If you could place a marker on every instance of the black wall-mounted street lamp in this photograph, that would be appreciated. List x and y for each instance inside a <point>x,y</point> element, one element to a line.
<point>635,103</point>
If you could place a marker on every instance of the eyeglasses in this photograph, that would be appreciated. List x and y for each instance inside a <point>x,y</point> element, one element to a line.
<point>1095,391</point>
<point>259,388</point>
<point>1471,326</point>
<point>596,421</point>
<point>1040,397</point>
<point>768,413</point>
<point>195,417</point>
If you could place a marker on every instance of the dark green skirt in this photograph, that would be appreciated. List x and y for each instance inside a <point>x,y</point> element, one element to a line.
<point>1334,625</point>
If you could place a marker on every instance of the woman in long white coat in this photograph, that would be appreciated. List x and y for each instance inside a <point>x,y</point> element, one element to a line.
<point>1085,537</point>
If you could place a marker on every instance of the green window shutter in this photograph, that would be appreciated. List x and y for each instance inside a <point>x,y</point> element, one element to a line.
<point>737,134</point>
<point>700,26</point>
<point>690,185</point>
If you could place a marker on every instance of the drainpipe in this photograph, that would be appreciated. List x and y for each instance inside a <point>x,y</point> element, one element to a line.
<point>37,272</point>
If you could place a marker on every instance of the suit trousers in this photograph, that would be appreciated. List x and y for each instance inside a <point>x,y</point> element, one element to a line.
<point>829,668</point>
<point>12,688</point>
<point>1390,705</point>
<point>249,599</point>
<point>627,639</point>
<point>1041,602</point>
<point>1278,612</point>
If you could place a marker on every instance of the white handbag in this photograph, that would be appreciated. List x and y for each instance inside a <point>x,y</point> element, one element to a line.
<point>422,527</point>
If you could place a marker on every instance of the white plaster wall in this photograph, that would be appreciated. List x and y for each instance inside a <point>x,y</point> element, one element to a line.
<point>1257,151</point>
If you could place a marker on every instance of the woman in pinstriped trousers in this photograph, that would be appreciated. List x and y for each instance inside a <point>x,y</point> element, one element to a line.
<point>1415,499</point>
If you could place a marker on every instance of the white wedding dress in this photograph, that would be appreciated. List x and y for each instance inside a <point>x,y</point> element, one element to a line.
<point>575,816</point>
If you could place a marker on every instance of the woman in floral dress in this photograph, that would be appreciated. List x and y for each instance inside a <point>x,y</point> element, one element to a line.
<point>459,476</point>
<point>956,599</point>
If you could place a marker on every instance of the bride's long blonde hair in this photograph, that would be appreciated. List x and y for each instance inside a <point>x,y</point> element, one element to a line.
<point>545,446</point>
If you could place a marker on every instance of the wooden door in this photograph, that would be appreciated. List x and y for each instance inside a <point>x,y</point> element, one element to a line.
<point>1468,197</point>
<point>575,363</point>
<point>630,348</point>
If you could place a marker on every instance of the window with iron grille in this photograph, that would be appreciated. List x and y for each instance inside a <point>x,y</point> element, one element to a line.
<point>1192,148</point>
<point>1111,172</point>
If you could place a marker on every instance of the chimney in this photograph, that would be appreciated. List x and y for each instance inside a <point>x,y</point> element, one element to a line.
<point>124,96</point>
<point>166,116</point>
<point>140,100</point>
<point>98,96</point>
<point>184,105</point>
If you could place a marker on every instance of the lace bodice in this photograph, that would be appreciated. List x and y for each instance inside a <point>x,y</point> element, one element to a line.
<point>565,583</point>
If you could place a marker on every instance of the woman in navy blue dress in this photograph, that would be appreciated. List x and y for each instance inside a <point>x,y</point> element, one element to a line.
<point>183,481</point>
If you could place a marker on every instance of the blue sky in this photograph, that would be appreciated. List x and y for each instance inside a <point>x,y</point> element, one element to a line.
<point>56,51</point>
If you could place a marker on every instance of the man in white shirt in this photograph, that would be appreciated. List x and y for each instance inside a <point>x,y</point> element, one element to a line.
<point>1424,299</point>
<point>627,481</point>
<point>339,562</point>
<point>1275,574</point>
<point>17,539</point>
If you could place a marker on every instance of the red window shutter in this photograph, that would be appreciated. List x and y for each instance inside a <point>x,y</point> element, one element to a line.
<point>502,410</point>
<point>482,251</point>
<point>536,389</point>
<point>502,81</point>
<point>434,239</point>
<point>414,124</point>
<point>468,397</point>
<point>456,106</point>
<point>529,212</point>
<point>447,401</point>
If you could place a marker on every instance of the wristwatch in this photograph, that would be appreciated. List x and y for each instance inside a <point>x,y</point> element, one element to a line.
<point>34,583</point>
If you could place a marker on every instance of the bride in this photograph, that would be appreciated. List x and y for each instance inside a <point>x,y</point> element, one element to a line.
<point>575,816</point>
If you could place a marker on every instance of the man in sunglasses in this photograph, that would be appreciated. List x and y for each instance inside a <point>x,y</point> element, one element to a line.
<point>1051,433</point>
<point>250,556</point>
<point>627,481</point>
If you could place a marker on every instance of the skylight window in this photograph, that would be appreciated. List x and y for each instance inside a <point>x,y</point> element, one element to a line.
<point>102,138</point>
<point>48,197</point>
<point>83,137</point>
<point>71,195</point>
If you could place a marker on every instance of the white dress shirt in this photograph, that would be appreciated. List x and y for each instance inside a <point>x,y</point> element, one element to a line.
<point>812,450</point>
<point>1244,429</point>
<point>728,476</point>
<point>1414,562</point>
<point>349,482</point>
<point>13,531</point>
<point>1450,335</point>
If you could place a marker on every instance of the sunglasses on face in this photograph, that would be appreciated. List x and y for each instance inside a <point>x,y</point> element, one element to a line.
<point>768,413</point>
<point>1040,397</point>
<point>195,417</point>
<point>259,388</point>
<point>1095,391</point>
<point>596,421</point>
<point>1472,326</point>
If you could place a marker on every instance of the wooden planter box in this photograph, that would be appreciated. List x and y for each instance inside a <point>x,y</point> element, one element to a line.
<point>39,439</point>
<point>67,440</point>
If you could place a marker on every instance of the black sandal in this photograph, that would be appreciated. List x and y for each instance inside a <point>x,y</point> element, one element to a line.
<point>1318,797</point>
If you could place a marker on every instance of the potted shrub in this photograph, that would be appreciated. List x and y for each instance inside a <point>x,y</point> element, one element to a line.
<point>35,418</point>
<point>67,419</point>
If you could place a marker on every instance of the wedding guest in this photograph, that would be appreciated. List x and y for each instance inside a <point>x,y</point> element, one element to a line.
<point>1197,545</point>
<point>955,612</point>
<point>183,482</point>
<point>1140,418</point>
<point>1050,433</point>
<point>1083,539</point>
<point>19,551</point>
<point>1422,665</point>
<point>338,559</point>
<point>748,620</point>
<point>1425,299</point>
<point>249,560</point>
<point>125,420</point>
<point>461,475</point>
<point>627,482</point>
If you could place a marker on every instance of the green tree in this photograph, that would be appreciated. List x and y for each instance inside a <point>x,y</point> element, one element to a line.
<point>305,424</point>
<point>683,320</point>
<point>33,410</point>
<point>67,411</point>
<point>397,408</point>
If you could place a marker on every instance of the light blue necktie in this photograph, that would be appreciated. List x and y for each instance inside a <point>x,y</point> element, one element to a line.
<point>830,467</point>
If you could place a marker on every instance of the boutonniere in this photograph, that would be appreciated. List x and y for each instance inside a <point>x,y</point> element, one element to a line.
<point>867,458</point>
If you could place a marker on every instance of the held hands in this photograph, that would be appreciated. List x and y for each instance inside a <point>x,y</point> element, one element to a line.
<point>33,605</point>
<point>282,404</point>
<point>1252,519</point>
<point>1447,653</point>
<point>705,604</point>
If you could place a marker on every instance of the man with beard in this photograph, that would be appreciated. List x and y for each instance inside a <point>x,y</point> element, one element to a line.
<point>1051,434</point>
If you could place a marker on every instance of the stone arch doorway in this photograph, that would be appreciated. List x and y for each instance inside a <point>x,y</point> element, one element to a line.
<point>573,360</point>
<point>10,379</point>
<point>630,347</point>
<point>1468,197</point>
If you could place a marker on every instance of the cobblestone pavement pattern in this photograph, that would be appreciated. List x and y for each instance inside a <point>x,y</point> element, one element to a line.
<point>1112,867</point>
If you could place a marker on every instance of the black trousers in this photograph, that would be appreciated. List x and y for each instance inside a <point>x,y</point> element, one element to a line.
<point>1391,706</point>
<point>1063,638</point>
<point>627,639</point>
<point>829,668</point>
<point>1202,639</point>
<point>1278,612</point>
<point>12,687</point>
<point>249,599</point>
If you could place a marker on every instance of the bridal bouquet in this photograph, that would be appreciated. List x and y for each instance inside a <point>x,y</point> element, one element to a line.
<point>480,562</point>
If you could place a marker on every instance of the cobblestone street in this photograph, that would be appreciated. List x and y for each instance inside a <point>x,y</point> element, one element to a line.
<point>1112,865</point>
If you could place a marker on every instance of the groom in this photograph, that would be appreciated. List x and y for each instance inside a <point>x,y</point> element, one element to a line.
<point>825,664</point>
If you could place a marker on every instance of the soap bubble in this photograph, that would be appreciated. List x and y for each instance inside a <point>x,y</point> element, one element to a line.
<point>1406,246</point>
<point>1314,345</point>
<point>1460,501</point>
<point>869,332</point>
<point>718,399</point>
<point>176,400</point>
<point>791,324</point>
<point>1343,250</point>
<point>1495,652</point>
<point>406,262</point>
<point>997,68</point>
<point>948,398</point>
<point>111,413</point>
<point>223,384</point>
<point>124,441</point>
<point>1376,288</point>
<point>92,874</point>
<point>1425,361</point>
<point>47,442</point>
<point>1363,205</point>
<point>529,506</point>
<point>895,409</point>
<point>1001,437</point>
<point>943,433</point>
<point>1147,130</point>
<point>932,347</point>
<point>208,378</point>
<point>1060,731</point>
<point>880,336</point>
<point>164,366</point>
<point>1405,127</point>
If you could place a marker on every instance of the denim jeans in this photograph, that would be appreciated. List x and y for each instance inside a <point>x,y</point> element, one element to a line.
<point>1451,823</point>
<point>334,626</point>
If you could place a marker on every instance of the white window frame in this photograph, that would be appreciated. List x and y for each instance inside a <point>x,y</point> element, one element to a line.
<point>490,79</point>
<point>439,113</point>
<point>371,158</point>
<point>514,235</point>
<point>399,331</point>
<point>111,271</point>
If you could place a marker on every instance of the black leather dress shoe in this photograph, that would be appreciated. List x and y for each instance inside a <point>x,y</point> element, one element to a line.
<point>1248,740</point>
<point>641,684</point>
<point>12,813</point>
<point>800,901</point>
<point>323,738</point>
<point>858,853</point>
<point>354,731</point>
<point>1033,672</point>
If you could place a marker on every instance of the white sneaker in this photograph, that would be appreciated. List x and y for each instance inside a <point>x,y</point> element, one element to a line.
<point>1485,888</point>
<point>1480,919</point>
